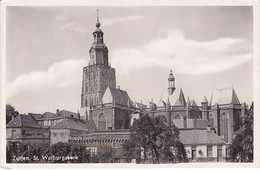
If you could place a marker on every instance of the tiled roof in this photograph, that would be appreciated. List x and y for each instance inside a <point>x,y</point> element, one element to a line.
<point>23,121</point>
<point>224,96</point>
<point>120,97</point>
<point>35,115</point>
<point>66,113</point>
<point>201,123</point>
<point>91,124</point>
<point>197,137</point>
<point>50,115</point>
<point>70,123</point>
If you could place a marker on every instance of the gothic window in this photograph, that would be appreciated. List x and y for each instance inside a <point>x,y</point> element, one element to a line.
<point>86,89</point>
<point>211,120</point>
<point>86,102</point>
<point>92,100</point>
<point>224,126</point>
<point>96,99</point>
<point>91,88</point>
<point>101,122</point>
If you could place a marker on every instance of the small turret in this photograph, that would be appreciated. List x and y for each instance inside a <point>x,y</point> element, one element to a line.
<point>168,112</point>
<point>204,108</point>
<point>171,81</point>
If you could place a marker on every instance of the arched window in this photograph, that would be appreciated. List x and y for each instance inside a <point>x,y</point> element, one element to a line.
<point>96,99</point>
<point>224,126</point>
<point>101,122</point>
<point>211,120</point>
<point>91,101</point>
<point>86,102</point>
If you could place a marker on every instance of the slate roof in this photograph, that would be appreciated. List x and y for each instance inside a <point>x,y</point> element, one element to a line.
<point>199,137</point>
<point>71,123</point>
<point>177,98</point>
<point>23,121</point>
<point>181,99</point>
<point>120,97</point>
<point>193,103</point>
<point>224,96</point>
<point>201,123</point>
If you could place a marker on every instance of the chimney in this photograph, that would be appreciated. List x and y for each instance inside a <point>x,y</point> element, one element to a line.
<point>208,128</point>
<point>57,111</point>
<point>118,87</point>
<point>184,122</point>
<point>71,116</point>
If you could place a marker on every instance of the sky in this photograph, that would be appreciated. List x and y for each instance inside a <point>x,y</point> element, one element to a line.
<point>206,47</point>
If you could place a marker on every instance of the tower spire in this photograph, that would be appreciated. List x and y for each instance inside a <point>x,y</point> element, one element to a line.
<point>98,23</point>
<point>97,16</point>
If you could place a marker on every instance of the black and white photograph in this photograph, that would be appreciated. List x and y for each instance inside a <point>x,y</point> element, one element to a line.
<point>129,84</point>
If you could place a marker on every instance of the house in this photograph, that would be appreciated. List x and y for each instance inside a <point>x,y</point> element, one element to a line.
<point>23,132</point>
<point>203,145</point>
<point>67,128</point>
<point>49,119</point>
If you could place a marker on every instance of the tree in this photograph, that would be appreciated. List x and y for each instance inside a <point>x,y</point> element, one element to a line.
<point>241,149</point>
<point>106,157</point>
<point>10,113</point>
<point>68,150</point>
<point>151,140</point>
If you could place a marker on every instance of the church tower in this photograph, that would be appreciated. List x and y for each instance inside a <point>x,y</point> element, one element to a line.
<point>171,81</point>
<point>98,75</point>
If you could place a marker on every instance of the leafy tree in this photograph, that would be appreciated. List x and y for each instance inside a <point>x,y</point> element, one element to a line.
<point>10,112</point>
<point>151,140</point>
<point>241,149</point>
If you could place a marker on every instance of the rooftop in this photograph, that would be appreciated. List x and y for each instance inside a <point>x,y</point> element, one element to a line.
<point>224,96</point>
<point>23,121</point>
<point>71,123</point>
<point>199,137</point>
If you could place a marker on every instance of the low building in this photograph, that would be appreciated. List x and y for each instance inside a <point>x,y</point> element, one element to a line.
<point>203,145</point>
<point>66,129</point>
<point>23,132</point>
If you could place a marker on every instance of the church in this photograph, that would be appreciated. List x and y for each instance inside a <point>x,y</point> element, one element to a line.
<point>101,101</point>
<point>107,112</point>
<point>111,108</point>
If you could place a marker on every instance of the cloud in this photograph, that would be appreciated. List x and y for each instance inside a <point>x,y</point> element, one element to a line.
<point>121,19</point>
<point>184,55</point>
<point>60,74</point>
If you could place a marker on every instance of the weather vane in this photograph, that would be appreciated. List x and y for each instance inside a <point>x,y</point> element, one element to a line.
<point>97,16</point>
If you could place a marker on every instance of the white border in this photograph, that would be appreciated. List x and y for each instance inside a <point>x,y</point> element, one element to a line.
<point>254,3</point>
